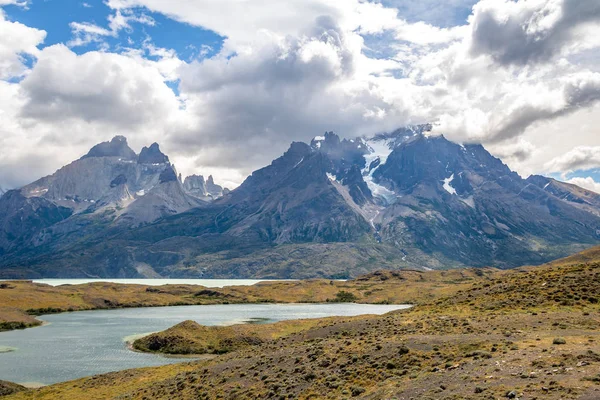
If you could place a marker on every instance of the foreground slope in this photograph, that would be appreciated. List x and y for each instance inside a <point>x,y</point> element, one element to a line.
<point>526,333</point>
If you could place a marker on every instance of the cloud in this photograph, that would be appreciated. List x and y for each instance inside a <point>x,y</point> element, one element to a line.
<point>256,103</point>
<point>522,32</point>
<point>518,151</point>
<point>69,102</point>
<point>581,157</point>
<point>85,33</point>
<point>586,183</point>
<point>291,70</point>
<point>95,87</point>
<point>20,3</point>
<point>16,41</point>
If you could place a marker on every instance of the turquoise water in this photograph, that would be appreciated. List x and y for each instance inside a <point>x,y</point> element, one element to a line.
<point>78,344</point>
<point>211,283</point>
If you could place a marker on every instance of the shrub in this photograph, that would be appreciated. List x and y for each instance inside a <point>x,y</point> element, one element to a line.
<point>344,297</point>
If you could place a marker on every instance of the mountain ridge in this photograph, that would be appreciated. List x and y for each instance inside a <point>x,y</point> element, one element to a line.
<point>405,199</point>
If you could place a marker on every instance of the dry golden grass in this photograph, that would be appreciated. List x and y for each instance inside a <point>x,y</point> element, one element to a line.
<point>21,299</point>
<point>473,335</point>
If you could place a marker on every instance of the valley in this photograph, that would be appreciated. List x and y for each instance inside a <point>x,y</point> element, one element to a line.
<point>527,333</point>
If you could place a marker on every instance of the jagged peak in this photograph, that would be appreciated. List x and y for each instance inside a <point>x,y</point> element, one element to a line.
<point>194,178</point>
<point>117,147</point>
<point>329,139</point>
<point>152,155</point>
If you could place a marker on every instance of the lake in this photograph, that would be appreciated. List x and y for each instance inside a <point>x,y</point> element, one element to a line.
<point>77,344</point>
<point>211,283</point>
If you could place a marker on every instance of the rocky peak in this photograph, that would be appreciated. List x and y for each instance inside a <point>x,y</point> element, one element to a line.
<point>433,159</point>
<point>330,141</point>
<point>195,185</point>
<point>168,175</point>
<point>152,155</point>
<point>207,190</point>
<point>117,147</point>
<point>194,182</point>
<point>212,188</point>
<point>404,134</point>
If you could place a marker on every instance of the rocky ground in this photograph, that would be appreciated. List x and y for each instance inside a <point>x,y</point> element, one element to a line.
<point>7,388</point>
<point>532,333</point>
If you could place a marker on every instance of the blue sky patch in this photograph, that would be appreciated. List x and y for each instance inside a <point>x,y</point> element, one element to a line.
<point>593,173</point>
<point>55,17</point>
<point>444,14</point>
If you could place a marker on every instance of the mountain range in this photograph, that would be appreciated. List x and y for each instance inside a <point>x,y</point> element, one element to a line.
<point>332,208</point>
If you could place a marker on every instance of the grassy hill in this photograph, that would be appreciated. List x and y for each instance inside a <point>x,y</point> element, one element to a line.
<point>527,333</point>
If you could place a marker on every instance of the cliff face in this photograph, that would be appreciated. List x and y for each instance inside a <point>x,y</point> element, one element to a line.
<point>334,207</point>
<point>195,185</point>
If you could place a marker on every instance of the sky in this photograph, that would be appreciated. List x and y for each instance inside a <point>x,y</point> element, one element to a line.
<point>224,86</point>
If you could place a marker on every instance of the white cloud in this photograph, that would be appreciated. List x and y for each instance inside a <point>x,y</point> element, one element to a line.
<point>16,40</point>
<point>85,32</point>
<point>21,3</point>
<point>95,87</point>
<point>290,70</point>
<point>581,157</point>
<point>69,102</point>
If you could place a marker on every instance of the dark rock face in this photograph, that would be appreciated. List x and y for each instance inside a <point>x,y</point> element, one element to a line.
<point>152,155</point>
<point>117,147</point>
<point>571,194</point>
<point>119,180</point>
<point>168,175</point>
<point>22,218</point>
<point>334,208</point>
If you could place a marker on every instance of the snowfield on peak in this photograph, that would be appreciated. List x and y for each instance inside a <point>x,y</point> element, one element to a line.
<point>378,150</point>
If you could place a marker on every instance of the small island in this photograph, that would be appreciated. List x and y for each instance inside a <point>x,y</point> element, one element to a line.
<point>533,332</point>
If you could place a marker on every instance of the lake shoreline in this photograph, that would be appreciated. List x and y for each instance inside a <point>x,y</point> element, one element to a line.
<point>22,301</point>
<point>87,343</point>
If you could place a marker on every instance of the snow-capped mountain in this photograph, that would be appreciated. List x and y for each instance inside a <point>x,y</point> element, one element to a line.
<point>112,176</point>
<point>109,186</point>
<point>334,207</point>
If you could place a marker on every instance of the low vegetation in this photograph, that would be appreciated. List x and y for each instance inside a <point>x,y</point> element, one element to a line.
<point>21,301</point>
<point>7,388</point>
<point>531,333</point>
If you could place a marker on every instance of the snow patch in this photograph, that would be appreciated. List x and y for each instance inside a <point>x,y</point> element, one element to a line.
<point>331,177</point>
<point>319,138</point>
<point>378,150</point>
<point>547,184</point>
<point>447,186</point>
